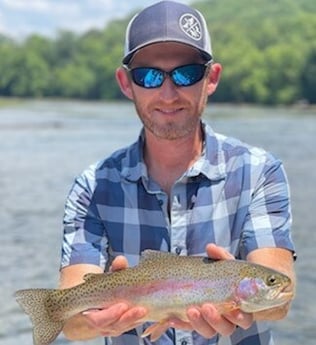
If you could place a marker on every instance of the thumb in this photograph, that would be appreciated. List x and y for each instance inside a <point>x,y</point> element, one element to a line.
<point>218,253</point>
<point>119,263</point>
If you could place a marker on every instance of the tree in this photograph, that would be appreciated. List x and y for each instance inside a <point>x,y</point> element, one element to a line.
<point>28,76</point>
<point>267,49</point>
<point>72,81</point>
<point>308,79</point>
<point>7,53</point>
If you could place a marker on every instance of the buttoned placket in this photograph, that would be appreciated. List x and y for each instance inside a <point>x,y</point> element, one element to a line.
<point>178,234</point>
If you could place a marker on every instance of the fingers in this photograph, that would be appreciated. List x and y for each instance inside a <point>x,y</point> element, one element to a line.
<point>216,252</point>
<point>102,318</point>
<point>119,263</point>
<point>199,324</point>
<point>243,320</point>
<point>129,320</point>
<point>207,321</point>
<point>119,317</point>
<point>116,319</point>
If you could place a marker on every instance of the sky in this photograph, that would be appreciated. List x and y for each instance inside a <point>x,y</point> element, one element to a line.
<point>21,18</point>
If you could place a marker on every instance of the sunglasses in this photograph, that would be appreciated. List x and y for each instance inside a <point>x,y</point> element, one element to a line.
<point>151,77</point>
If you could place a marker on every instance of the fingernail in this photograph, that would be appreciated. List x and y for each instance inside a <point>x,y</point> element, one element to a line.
<point>122,307</point>
<point>194,314</point>
<point>209,310</point>
<point>141,312</point>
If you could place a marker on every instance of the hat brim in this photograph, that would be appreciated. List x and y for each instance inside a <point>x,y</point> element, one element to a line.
<point>126,60</point>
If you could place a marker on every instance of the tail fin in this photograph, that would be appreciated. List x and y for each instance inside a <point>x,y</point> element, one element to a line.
<point>32,301</point>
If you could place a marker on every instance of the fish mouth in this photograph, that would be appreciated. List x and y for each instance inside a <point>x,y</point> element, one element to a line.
<point>273,298</point>
<point>281,294</point>
<point>286,295</point>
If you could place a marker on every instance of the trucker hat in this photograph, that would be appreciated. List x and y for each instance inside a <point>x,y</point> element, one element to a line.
<point>167,21</point>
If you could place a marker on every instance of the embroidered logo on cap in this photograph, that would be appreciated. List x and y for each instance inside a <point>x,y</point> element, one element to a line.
<point>191,26</point>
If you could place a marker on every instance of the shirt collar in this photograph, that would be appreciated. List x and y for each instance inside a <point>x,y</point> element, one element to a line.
<point>134,166</point>
<point>211,163</point>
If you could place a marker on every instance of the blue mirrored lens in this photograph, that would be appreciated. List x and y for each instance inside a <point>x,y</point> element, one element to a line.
<point>149,77</point>
<point>153,78</point>
<point>187,75</point>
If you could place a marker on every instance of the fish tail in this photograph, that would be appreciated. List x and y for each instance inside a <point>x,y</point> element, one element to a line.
<point>32,301</point>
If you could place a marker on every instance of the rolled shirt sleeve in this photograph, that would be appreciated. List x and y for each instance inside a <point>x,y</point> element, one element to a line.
<point>84,240</point>
<point>269,217</point>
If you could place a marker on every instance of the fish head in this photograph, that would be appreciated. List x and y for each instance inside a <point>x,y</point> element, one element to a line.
<point>263,290</point>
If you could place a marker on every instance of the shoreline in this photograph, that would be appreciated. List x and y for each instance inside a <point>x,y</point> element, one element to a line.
<point>15,101</point>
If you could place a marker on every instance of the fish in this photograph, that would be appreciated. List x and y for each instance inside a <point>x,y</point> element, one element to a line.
<point>165,284</point>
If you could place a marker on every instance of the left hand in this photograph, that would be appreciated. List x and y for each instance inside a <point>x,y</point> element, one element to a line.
<point>119,317</point>
<point>206,320</point>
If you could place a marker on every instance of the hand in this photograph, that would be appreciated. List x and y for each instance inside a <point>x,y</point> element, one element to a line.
<point>118,318</point>
<point>206,320</point>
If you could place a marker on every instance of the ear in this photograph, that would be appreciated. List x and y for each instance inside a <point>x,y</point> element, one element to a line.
<point>214,77</point>
<point>124,82</point>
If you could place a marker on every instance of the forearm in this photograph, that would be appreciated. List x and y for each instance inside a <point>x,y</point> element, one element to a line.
<point>78,327</point>
<point>280,260</point>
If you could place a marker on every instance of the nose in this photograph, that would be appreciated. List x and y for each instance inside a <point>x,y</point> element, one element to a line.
<point>168,90</point>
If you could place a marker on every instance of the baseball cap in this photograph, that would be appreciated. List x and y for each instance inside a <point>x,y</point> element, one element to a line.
<point>167,21</point>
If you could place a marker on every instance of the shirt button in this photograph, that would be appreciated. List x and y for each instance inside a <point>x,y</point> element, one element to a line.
<point>178,251</point>
<point>184,342</point>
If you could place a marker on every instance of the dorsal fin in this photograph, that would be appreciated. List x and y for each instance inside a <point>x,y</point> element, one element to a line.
<point>91,276</point>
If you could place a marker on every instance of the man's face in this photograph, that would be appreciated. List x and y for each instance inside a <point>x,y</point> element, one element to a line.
<point>169,111</point>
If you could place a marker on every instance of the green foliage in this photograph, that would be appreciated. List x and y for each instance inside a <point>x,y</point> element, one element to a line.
<point>23,73</point>
<point>264,46</point>
<point>309,77</point>
<point>72,80</point>
<point>267,49</point>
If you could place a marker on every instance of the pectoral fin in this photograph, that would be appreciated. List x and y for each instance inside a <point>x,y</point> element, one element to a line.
<point>227,307</point>
<point>156,330</point>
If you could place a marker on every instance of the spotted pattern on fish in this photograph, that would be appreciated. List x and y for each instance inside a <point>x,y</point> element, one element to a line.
<point>163,283</point>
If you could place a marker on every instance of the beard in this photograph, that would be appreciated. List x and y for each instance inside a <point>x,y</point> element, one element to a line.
<point>175,128</point>
<point>169,130</point>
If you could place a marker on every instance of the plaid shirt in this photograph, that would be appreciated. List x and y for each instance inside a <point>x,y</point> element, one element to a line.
<point>234,195</point>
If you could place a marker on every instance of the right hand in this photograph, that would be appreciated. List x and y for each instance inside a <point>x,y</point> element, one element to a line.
<point>118,318</point>
<point>206,320</point>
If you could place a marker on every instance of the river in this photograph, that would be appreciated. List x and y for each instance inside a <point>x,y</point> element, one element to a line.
<point>44,144</point>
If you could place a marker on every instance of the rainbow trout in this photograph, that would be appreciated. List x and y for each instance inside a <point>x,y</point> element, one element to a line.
<point>163,283</point>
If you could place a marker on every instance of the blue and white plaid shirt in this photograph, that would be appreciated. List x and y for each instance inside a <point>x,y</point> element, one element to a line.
<point>234,195</point>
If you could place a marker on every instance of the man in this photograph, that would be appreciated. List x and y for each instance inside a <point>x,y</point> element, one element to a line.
<point>180,188</point>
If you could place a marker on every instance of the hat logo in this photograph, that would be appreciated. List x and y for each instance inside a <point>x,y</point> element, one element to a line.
<point>191,26</point>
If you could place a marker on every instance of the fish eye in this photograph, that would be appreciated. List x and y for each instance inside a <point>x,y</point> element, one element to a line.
<point>271,280</point>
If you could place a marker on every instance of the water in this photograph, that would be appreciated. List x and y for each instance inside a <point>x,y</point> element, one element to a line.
<point>45,144</point>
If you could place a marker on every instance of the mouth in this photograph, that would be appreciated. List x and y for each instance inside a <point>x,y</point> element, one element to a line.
<point>169,112</point>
